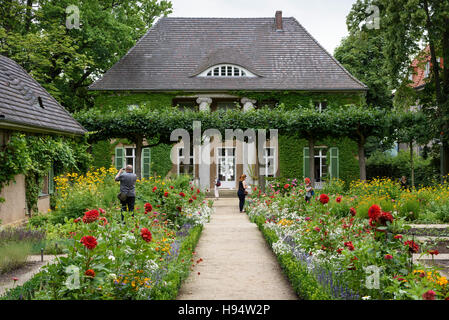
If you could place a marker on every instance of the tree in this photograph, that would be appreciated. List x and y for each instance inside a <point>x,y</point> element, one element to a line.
<point>406,24</point>
<point>65,60</point>
<point>361,53</point>
<point>412,128</point>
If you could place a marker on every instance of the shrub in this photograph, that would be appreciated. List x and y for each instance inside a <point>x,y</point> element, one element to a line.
<point>14,255</point>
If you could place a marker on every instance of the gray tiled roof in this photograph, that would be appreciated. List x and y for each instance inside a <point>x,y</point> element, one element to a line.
<point>19,102</point>
<point>175,49</point>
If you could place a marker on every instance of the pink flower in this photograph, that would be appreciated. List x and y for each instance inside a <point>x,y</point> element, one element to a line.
<point>388,257</point>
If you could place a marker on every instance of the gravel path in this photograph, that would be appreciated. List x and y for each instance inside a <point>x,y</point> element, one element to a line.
<point>24,273</point>
<point>237,263</point>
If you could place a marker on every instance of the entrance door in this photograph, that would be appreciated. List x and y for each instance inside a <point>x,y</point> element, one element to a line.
<point>226,167</point>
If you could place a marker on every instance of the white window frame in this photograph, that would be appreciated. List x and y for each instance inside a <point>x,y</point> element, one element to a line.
<point>266,159</point>
<point>133,156</point>
<point>321,157</point>
<point>320,106</point>
<point>181,158</point>
<point>231,71</point>
<point>427,70</point>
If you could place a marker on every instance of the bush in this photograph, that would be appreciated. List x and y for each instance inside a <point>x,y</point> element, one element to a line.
<point>13,255</point>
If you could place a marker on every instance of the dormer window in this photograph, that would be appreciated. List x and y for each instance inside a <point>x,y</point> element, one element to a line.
<point>228,71</point>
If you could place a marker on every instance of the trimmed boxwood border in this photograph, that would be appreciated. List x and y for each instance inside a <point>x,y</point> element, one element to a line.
<point>304,283</point>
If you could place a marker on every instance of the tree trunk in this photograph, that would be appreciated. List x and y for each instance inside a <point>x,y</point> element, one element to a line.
<point>412,165</point>
<point>362,161</point>
<point>139,146</point>
<point>29,11</point>
<point>312,161</point>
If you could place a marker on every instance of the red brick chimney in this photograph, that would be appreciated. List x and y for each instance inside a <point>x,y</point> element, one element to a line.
<point>279,21</point>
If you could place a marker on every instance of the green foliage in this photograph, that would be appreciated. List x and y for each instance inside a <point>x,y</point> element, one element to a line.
<point>102,153</point>
<point>34,155</point>
<point>361,54</point>
<point>160,160</point>
<point>65,61</point>
<point>303,99</point>
<point>14,159</point>
<point>380,164</point>
<point>291,153</point>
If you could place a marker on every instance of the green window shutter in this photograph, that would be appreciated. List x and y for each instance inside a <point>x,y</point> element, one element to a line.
<point>119,158</point>
<point>306,164</point>
<point>146,162</point>
<point>334,165</point>
<point>51,182</point>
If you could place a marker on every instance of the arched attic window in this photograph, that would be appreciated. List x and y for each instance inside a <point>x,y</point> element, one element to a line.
<point>228,71</point>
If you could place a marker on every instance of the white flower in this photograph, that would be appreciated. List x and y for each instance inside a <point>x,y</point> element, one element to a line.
<point>366,298</point>
<point>111,257</point>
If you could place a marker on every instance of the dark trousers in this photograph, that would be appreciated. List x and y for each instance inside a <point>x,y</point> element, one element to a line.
<point>241,196</point>
<point>128,205</point>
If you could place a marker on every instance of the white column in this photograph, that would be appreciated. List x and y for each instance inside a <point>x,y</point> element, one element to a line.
<point>204,103</point>
<point>248,104</point>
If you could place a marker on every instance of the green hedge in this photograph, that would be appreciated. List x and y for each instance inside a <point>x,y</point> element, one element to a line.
<point>304,283</point>
<point>160,160</point>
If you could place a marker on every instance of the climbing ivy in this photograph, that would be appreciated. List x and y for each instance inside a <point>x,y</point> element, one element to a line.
<point>35,155</point>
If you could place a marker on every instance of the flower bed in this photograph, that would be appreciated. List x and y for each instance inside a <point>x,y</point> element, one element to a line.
<point>145,256</point>
<point>342,246</point>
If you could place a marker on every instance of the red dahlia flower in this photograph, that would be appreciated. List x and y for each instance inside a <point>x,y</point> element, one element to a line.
<point>190,200</point>
<point>413,247</point>
<point>89,242</point>
<point>307,180</point>
<point>166,194</point>
<point>374,212</point>
<point>338,199</point>
<point>286,186</point>
<point>433,252</point>
<point>90,273</point>
<point>429,295</point>
<point>91,216</point>
<point>353,212</point>
<point>324,198</point>
<point>349,245</point>
<point>182,194</point>
<point>384,217</point>
<point>146,234</point>
<point>398,236</point>
<point>154,188</point>
<point>148,207</point>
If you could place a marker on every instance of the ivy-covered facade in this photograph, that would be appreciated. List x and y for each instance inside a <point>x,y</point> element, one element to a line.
<point>209,64</point>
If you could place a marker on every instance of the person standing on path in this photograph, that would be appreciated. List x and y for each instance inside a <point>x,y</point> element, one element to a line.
<point>309,190</point>
<point>217,184</point>
<point>127,186</point>
<point>241,193</point>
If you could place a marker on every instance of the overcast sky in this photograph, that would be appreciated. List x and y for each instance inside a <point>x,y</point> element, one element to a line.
<point>324,19</point>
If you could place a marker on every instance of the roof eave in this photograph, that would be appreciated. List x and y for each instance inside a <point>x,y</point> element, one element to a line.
<point>15,125</point>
